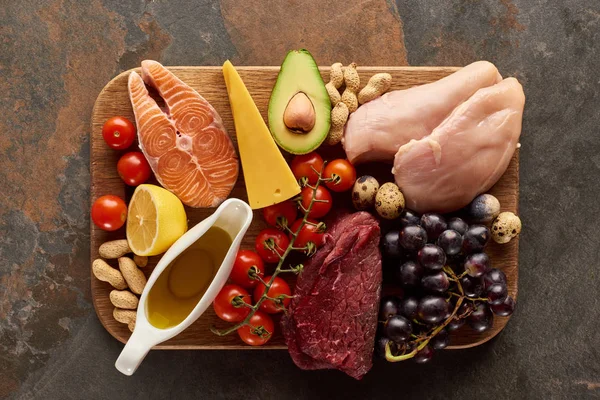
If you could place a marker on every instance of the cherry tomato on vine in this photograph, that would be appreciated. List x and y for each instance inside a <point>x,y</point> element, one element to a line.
<point>308,233</point>
<point>259,331</point>
<point>226,301</point>
<point>320,207</point>
<point>133,168</point>
<point>279,287</point>
<point>302,166</point>
<point>118,133</point>
<point>109,212</point>
<point>345,175</point>
<point>246,263</point>
<point>281,214</point>
<point>266,240</point>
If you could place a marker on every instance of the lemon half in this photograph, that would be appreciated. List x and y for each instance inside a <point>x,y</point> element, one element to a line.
<point>155,220</point>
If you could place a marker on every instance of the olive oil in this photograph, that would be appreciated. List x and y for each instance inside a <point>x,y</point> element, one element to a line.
<point>183,283</point>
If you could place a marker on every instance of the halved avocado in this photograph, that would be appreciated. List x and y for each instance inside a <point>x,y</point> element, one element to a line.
<point>299,108</point>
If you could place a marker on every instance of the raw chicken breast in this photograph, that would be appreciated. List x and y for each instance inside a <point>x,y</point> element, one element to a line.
<point>466,154</point>
<point>377,129</point>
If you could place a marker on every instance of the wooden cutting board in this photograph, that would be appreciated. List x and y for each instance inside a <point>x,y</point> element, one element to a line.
<point>208,81</point>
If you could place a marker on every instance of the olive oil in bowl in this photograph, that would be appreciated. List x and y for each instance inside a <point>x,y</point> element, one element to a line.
<point>183,283</point>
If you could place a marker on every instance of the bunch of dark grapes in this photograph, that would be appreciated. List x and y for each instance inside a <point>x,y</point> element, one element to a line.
<point>439,263</point>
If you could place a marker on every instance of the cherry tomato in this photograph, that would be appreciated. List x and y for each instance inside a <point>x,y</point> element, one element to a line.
<point>319,208</point>
<point>109,212</point>
<point>279,287</point>
<point>302,166</point>
<point>281,214</point>
<point>247,262</point>
<point>308,233</point>
<point>133,168</point>
<point>276,239</point>
<point>344,175</point>
<point>259,331</point>
<point>226,301</point>
<point>118,133</point>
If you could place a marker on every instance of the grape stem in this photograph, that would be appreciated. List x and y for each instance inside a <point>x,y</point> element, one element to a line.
<point>425,341</point>
<point>282,257</point>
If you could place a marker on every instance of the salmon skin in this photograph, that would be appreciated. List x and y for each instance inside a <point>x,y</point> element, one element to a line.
<point>186,145</point>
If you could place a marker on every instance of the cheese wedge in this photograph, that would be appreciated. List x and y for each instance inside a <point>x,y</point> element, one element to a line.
<point>269,179</point>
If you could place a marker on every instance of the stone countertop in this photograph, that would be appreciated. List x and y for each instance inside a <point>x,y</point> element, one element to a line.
<point>57,55</point>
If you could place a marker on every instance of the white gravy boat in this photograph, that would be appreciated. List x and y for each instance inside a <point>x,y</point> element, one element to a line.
<point>234,217</point>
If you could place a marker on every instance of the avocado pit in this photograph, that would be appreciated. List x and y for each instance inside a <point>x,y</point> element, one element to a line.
<point>299,115</point>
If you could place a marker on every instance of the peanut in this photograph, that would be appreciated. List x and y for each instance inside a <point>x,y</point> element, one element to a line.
<point>352,84</point>
<point>377,85</point>
<point>349,98</point>
<point>124,316</point>
<point>140,261</point>
<point>114,249</point>
<point>339,116</point>
<point>106,273</point>
<point>134,277</point>
<point>123,299</point>
<point>131,325</point>
<point>336,75</point>
<point>334,94</point>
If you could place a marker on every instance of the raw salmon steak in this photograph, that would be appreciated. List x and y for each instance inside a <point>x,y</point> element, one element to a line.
<point>186,144</point>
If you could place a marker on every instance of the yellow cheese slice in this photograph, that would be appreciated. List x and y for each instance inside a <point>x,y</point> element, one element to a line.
<point>269,179</point>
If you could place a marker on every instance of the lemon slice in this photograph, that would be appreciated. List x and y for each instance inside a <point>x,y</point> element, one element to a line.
<point>155,220</point>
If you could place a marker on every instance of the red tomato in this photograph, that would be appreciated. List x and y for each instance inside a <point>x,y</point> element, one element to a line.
<point>133,168</point>
<point>279,287</point>
<point>281,214</point>
<point>118,133</point>
<point>226,301</point>
<point>308,233</point>
<point>277,239</point>
<point>344,175</point>
<point>246,262</point>
<point>319,208</point>
<point>302,166</point>
<point>109,212</point>
<point>259,331</point>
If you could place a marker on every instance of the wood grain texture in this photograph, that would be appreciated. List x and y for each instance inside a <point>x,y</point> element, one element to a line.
<point>208,81</point>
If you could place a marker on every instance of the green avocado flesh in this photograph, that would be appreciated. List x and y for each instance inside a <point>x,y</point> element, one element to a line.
<point>299,74</point>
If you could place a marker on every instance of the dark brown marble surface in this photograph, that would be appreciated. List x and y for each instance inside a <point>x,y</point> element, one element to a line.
<point>55,57</point>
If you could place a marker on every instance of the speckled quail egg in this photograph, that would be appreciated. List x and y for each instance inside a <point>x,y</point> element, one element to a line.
<point>389,201</point>
<point>506,227</point>
<point>364,191</point>
<point>484,208</point>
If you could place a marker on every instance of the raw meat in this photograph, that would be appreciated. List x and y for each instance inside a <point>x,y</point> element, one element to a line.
<point>332,319</point>
<point>187,146</point>
<point>466,154</point>
<point>377,129</point>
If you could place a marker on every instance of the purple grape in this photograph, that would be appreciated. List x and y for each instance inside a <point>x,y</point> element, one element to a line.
<point>506,308</point>
<point>477,264</point>
<point>413,237</point>
<point>432,309</point>
<point>482,318</point>
<point>440,341</point>
<point>473,287</point>
<point>434,225</point>
<point>380,346</point>
<point>450,241</point>
<point>397,328</point>
<point>455,324</point>
<point>409,274</point>
<point>436,283</point>
<point>390,245</point>
<point>390,305</point>
<point>475,239</point>
<point>409,307</point>
<point>432,257</point>
<point>409,217</point>
<point>424,355</point>
<point>458,224</point>
<point>497,293</point>
<point>494,276</point>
